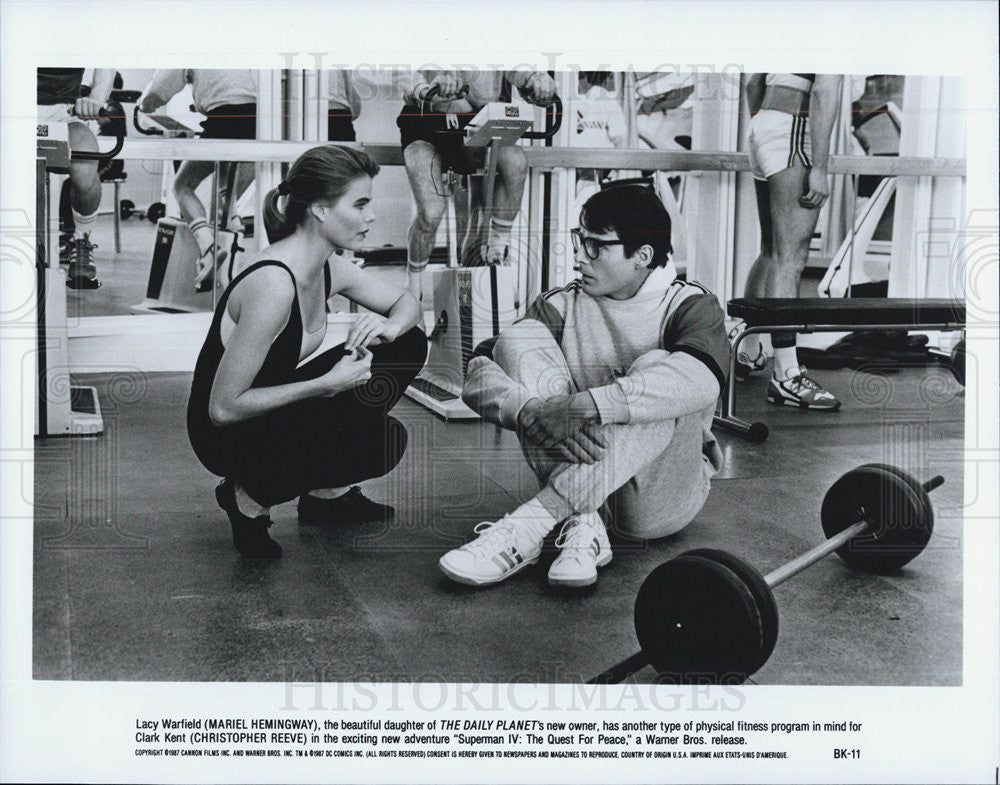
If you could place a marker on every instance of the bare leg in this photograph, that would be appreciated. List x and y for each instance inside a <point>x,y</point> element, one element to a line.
<point>188,178</point>
<point>756,285</point>
<point>85,195</point>
<point>793,227</point>
<point>85,198</point>
<point>512,171</point>
<point>423,168</point>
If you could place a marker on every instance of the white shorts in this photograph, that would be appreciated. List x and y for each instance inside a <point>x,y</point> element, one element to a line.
<point>777,141</point>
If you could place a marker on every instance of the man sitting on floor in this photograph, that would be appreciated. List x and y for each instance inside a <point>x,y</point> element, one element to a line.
<point>611,384</point>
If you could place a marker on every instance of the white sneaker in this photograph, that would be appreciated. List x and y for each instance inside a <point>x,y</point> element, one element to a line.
<point>498,552</point>
<point>584,546</point>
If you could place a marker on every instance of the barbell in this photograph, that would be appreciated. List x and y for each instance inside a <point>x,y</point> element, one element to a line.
<point>709,617</point>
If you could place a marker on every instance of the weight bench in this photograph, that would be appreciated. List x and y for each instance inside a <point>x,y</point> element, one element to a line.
<point>823,315</point>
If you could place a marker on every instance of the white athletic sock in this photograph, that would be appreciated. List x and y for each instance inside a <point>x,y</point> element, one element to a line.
<point>498,238</point>
<point>415,277</point>
<point>786,363</point>
<point>533,519</point>
<point>203,233</point>
<point>328,493</point>
<point>84,224</point>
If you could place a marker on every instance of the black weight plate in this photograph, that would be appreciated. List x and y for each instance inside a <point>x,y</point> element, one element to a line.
<point>698,623</point>
<point>156,211</point>
<point>927,516</point>
<point>895,514</point>
<point>761,592</point>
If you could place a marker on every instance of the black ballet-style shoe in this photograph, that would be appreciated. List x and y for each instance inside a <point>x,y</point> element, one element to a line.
<point>351,506</point>
<point>249,534</point>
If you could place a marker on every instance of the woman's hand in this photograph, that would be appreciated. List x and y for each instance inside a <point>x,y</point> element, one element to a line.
<point>370,329</point>
<point>352,370</point>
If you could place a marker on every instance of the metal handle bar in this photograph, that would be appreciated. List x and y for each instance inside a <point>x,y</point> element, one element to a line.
<point>88,156</point>
<point>140,129</point>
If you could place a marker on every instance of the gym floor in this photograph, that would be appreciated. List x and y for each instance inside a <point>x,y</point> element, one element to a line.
<point>136,577</point>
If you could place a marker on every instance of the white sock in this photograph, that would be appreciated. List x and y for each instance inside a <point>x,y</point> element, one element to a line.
<point>786,363</point>
<point>248,506</point>
<point>533,519</point>
<point>84,224</point>
<point>203,233</point>
<point>415,277</point>
<point>328,493</point>
<point>499,236</point>
<point>750,347</point>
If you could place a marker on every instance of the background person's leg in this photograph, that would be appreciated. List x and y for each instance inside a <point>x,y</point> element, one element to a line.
<point>793,227</point>
<point>751,354</point>
<point>85,199</point>
<point>187,179</point>
<point>512,171</point>
<point>423,168</point>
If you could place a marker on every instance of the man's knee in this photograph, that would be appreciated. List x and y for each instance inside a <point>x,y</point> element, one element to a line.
<point>512,163</point>
<point>523,340</point>
<point>82,139</point>
<point>791,256</point>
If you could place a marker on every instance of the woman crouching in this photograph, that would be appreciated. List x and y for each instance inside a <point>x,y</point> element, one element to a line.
<point>265,414</point>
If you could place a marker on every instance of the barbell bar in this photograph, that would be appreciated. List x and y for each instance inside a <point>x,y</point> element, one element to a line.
<point>707,616</point>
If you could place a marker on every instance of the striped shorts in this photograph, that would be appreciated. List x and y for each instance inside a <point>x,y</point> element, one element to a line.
<point>778,141</point>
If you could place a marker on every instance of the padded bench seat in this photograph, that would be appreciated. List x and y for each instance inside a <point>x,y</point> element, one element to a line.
<point>821,314</point>
<point>789,311</point>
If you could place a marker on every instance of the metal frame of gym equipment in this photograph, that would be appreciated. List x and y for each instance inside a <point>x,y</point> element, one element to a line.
<point>62,409</point>
<point>496,125</point>
<point>270,154</point>
<point>758,431</point>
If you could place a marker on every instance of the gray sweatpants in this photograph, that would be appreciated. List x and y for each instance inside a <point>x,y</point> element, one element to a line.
<point>656,474</point>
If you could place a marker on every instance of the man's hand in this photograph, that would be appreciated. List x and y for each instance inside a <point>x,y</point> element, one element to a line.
<point>564,428</point>
<point>540,89</point>
<point>818,190</point>
<point>448,86</point>
<point>87,108</point>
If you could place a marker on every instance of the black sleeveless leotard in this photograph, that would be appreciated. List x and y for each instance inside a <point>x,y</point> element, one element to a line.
<point>315,443</point>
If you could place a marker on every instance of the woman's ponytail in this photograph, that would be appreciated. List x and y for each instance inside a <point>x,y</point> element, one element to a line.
<point>276,223</point>
<point>322,173</point>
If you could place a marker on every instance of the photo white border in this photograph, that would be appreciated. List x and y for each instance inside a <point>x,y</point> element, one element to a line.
<point>73,731</point>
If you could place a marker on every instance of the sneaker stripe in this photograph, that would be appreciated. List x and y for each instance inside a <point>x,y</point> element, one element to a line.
<point>499,562</point>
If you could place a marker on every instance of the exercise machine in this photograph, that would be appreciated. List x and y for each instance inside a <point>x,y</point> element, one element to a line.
<point>474,301</point>
<point>61,408</point>
<point>170,287</point>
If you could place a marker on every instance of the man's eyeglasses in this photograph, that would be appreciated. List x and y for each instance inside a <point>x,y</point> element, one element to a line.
<point>591,245</point>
